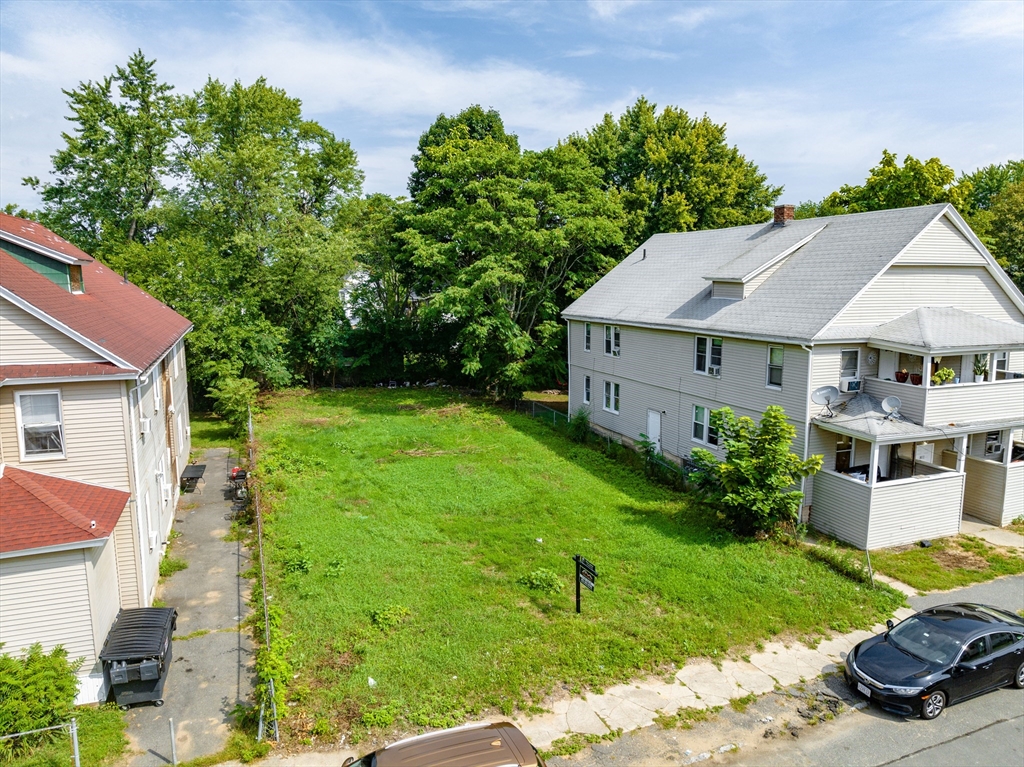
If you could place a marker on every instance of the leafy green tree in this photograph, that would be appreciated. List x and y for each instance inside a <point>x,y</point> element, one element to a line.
<point>500,241</point>
<point>1007,230</point>
<point>109,175</point>
<point>675,173</point>
<point>754,485</point>
<point>891,185</point>
<point>986,183</point>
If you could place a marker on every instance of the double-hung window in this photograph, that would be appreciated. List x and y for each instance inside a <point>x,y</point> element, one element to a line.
<point>586,390</point>
<point>40,425</point>
<point>849,363</point>
<point>1000,365</point>
<point>707,356</point>
<point>775,358</point>
<point>612,340</point>
<point>586,336</point>
<point>703,431</point>
<point>611,397</point>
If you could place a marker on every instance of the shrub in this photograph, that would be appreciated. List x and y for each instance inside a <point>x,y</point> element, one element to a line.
<point>579,425</point>
<point>36,691</point>
<point>233,398</point>
<point>543,580</point>
<point>387,618</point>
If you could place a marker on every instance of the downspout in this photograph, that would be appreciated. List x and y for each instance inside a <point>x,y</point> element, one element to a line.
<point>807,420</point>
<point>568,367</point>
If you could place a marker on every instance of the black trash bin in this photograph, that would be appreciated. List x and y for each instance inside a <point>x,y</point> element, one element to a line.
<point>137,654</point>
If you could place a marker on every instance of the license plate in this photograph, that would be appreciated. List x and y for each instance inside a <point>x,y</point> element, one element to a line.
<point>864,690</point>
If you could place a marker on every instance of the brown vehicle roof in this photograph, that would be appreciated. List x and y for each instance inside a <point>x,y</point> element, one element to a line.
<point>492,745</point>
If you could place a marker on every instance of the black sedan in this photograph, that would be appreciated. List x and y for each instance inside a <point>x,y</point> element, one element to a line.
<point>937,657</point>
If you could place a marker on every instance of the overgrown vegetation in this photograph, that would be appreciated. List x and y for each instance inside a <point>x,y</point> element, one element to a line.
<point>753,486</point>
<point>36,691</point>
<point>440,504</point>
<point>948,563</point>
<point>101,741</point>
<point>573,744</point>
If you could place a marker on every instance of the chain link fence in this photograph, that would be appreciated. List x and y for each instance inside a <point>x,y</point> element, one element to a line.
<point>541,411</point>
<point>71,727</point>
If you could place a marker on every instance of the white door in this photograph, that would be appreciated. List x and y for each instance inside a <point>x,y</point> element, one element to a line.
<point>654,428</point>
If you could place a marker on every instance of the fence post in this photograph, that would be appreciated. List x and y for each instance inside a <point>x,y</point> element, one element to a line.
<point>174,745</point>
<point>74,741</point>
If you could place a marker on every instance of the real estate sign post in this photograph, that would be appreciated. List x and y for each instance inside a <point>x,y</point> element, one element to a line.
<point>586,574</point>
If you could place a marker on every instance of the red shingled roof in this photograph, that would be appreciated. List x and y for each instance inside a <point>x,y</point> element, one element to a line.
<point>40,235</point>
<point>112,313</point>
<point>62,370</point>
<point>38,510</point>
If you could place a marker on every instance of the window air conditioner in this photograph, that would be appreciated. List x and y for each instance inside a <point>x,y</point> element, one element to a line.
<point>714,370</point>
<point>849,384</point>
<point>153,539</point>
<point>991,448</point>
<point>144,426</point>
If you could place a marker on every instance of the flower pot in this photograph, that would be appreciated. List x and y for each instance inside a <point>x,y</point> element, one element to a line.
<point>915,378</point>
<point>956,380</point>
<point>901,377</point>
<point>979,378</point>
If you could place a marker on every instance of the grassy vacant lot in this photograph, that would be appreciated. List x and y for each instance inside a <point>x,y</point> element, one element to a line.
<point>403,522</point>
<point>948,564</point>
<point>209,430</point>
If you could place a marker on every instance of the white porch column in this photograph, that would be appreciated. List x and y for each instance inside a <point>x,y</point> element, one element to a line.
<point>873,465</point>
<point>960,445</point>
<point>926,370</point>
<point>1007,446</point>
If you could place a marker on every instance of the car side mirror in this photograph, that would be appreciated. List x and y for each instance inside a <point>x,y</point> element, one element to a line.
<point>348,761</point>
<point>967,666</point>
<point>889,624</point>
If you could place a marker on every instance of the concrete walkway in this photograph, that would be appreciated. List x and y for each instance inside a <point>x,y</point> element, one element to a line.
<point>997,536</point>
<point>211,673</point>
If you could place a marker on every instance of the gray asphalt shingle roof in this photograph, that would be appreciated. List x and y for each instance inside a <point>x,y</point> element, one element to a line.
<point>668,288</point>
<point>945,328</point>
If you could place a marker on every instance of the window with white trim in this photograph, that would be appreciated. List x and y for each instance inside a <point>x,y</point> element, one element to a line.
<point>703,431</point>
<point>586,390</point>
<point>1000,365</point>
<point>611,397</point>
<point>849,365</point>
<point>707,355</point>
<point>612,339</point>
<point>586,336</point>
<point>776,354</point>
<point>845,449</point>
<point>40,425</point>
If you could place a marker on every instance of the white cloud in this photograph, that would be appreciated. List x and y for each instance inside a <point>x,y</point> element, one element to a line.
<point>980,21</point>
<point>610,9</point>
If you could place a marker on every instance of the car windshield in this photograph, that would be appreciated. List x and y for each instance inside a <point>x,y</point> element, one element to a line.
<point>926,640</point>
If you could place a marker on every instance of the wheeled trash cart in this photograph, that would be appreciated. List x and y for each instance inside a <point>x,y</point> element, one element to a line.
<point>137,655</point>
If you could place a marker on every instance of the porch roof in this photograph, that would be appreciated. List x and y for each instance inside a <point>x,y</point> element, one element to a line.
<point>945,329</point>
<point>862,417</point>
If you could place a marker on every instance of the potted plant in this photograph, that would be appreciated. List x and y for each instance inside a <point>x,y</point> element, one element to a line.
<point>915,378</point>
<point>943,375</point>
<point>980,367</point>
<point>902,375</point>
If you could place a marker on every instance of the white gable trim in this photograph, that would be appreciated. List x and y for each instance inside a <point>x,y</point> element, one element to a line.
<point>990,264</point>
<point>86,544</point>
<point>58,325</point>
<point>42,250</point>
<point>784,254</point>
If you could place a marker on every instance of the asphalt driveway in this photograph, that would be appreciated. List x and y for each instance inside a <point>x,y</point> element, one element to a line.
<point>212,670</point>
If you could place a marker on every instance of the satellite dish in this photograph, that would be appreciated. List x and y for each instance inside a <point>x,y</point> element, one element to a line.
<point>825,395</point>
<point>891,405</point>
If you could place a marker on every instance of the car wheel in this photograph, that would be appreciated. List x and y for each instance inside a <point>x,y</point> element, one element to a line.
<point>1018,681</point>
<point>933,705</point>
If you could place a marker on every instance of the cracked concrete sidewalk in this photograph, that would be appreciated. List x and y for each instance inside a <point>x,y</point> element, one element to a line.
<point>700,684</point>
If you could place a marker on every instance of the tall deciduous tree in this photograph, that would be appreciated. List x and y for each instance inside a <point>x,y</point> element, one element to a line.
<point>1007,230</point>
<point>675,172</point>
<point>501,240</point>
<point>110,173</point>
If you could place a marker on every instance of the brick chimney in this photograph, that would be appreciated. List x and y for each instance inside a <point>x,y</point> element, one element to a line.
<point>783,213</point>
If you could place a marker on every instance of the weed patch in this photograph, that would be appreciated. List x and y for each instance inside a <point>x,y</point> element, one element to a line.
<point>948,564</point>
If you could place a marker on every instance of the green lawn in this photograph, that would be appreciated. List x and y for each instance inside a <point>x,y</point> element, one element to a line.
<point>947,564</point>
<point>101,741</point>
<point>403,521</point>
<point>209,430</point>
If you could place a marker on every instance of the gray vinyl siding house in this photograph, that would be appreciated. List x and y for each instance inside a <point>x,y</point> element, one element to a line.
<point>870,304</point>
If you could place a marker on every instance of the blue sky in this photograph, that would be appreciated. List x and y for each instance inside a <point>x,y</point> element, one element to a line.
<point>811,92</point>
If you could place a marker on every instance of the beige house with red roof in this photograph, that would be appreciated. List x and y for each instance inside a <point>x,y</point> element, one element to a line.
<point>94,433</point>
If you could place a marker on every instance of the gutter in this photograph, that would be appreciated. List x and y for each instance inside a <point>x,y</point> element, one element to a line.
<point>791,340</point>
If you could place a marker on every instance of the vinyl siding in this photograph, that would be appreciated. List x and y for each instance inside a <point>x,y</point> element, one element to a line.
<point>732,290</point>
<point>24,339</point>
<point>941,243</point>
<point>45,599</point>
<point>994,492</point>
<point>901,289</point>
<point>126,552</point>
<point>906,511</point>
<point>826,366</point>
<point>103,596</point>
<point>841,507</point>
<point>912,398</point>
<point>756,282</point>
<point>960,403</point>
<point>655,371</point>
<point>1013,497</point>
<point>94,437</point>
